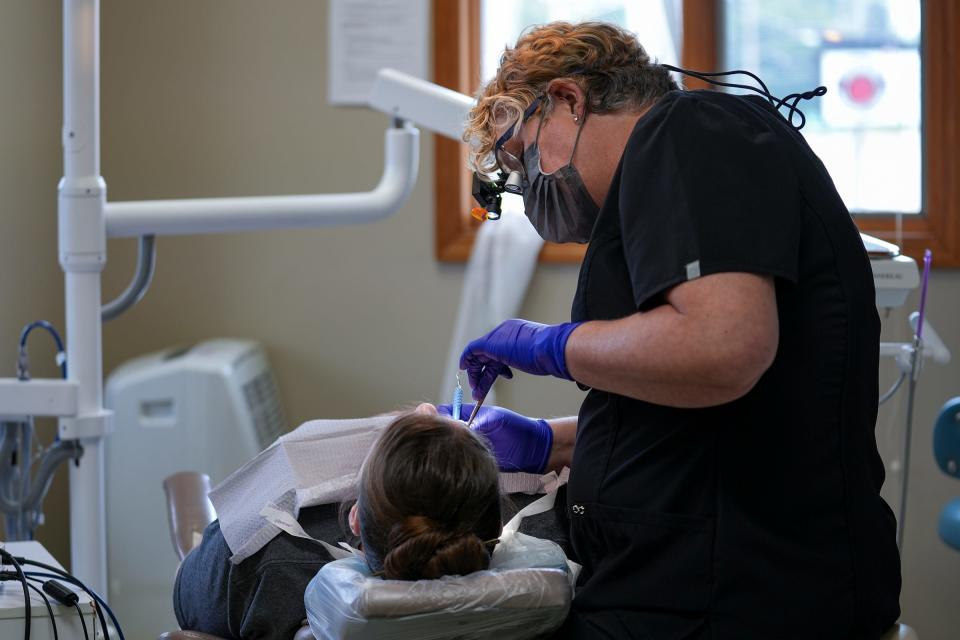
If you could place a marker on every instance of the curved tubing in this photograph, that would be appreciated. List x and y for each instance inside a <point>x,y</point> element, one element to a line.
<point>225,215</point>
<point>57,453</point>
<point>7,504</point>
<point>146,266</point>
<point>60,451</point>
<point>24,460</point>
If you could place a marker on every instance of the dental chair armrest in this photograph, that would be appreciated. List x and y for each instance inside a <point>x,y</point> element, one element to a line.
<point>189,510</point>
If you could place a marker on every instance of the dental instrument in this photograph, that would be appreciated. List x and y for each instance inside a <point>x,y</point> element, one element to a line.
<point>476,410</point>
<point>927,259</point>
<point>457,400</point>
<point>915,362</point>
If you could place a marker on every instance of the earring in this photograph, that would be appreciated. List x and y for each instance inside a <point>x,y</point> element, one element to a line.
<point>576,118</point>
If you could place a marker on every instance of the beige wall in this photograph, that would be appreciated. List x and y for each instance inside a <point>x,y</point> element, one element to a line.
<point>205,100</point>
<point>228,98</point>
<point>931,570</point>
<point>31,283</point>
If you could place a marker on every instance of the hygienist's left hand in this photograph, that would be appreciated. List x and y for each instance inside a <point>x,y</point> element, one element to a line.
<point>528,346</point>
<point>519,443</point>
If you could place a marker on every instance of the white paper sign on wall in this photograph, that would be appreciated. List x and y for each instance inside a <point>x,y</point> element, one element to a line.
<point>367,35</point>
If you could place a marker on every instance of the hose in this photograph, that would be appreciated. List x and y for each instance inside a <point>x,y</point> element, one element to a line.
<point>59,452</point>
<point>146,266</point>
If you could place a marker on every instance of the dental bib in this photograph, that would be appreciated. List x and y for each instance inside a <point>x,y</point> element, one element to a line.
<point>317,463</point>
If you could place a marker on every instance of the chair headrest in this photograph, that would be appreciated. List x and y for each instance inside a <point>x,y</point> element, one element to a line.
<point>508,601</point>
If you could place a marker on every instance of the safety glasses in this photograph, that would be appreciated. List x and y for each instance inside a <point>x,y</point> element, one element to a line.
<point>507,162</point>
<point>511,176</point>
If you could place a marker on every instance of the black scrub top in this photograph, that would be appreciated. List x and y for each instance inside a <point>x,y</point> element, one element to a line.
<point>760,518</point>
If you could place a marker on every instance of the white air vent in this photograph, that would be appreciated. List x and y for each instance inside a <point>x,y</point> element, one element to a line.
<point>208,407</point>
<point>263,402</point>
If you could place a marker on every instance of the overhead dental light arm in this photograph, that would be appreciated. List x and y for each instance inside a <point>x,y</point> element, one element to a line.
<point>429,105</point>
<point>227,215</point>
<point>397,94</point>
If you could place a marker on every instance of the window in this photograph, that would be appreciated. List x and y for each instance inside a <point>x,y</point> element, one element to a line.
<point>866,129</point>
<point>887,129</point>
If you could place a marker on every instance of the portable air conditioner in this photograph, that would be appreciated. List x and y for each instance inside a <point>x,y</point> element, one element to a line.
<point>209,407</point>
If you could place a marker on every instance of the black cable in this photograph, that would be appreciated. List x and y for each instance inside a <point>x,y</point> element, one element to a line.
<point>9,559</point>
<point>60,593</point>
<point>777,103</point>
<point>46,601</point>
<point>82,621</point>
<point>13,577</point>
<point>63,575</point>
<point>65,597</point>
<point>707,76</point>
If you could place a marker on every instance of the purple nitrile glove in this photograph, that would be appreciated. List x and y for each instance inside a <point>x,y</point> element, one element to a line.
<point>529,346</point>
<point>519,443</point>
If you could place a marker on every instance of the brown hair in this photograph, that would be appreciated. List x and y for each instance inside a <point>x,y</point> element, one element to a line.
<point>429,500</point>
<point>606,61</point>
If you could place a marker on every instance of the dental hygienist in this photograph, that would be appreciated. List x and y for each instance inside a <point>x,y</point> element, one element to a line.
<point>725,477</point>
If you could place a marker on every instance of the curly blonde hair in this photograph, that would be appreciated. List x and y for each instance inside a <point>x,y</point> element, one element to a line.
<point>606,61</point>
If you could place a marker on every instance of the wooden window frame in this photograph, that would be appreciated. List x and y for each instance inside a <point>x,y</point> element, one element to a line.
<point>456,54</point>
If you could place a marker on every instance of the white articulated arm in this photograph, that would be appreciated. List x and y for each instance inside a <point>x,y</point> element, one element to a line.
<point>225,215</point>
<point>20,398</point>
<point>424,103</point>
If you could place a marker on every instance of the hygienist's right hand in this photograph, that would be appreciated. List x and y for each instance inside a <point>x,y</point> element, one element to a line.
<point>519,443</point>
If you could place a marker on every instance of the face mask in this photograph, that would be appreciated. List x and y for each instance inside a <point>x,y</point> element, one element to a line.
<point>558,204</point>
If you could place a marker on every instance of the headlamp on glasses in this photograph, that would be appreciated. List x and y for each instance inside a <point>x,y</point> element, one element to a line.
<point>487,192</point>
<point>510,178</point>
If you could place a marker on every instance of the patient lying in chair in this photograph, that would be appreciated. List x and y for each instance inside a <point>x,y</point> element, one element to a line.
<point>429,505</point>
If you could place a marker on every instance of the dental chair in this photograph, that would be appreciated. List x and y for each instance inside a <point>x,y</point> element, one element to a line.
<point>190,511</point>
<point>531,593</point>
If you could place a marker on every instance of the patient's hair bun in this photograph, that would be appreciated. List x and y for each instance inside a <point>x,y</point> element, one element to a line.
<point>429,495</point>
<point>419,550</point>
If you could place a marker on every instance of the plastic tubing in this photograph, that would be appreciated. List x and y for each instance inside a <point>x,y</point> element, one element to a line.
<point>146,267</point>
<point>58,452</point>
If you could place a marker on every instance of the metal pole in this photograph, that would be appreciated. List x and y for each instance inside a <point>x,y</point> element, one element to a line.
<point>915,361</point>
<point>82,238</point>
